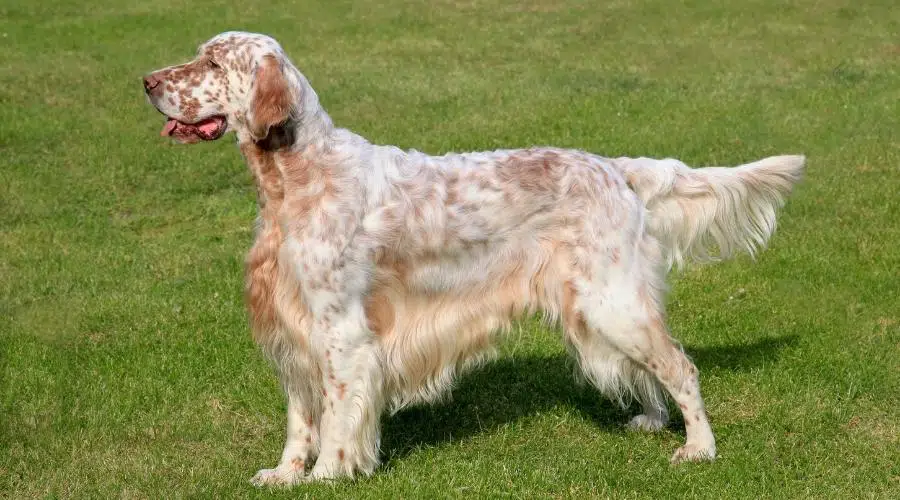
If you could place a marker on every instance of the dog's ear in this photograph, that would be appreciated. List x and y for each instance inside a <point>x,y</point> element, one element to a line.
<point>271,102</point>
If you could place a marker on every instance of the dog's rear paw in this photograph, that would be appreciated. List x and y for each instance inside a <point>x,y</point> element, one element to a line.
<point>646,423</point>
<point>694,453</point>
<point>279,476</point>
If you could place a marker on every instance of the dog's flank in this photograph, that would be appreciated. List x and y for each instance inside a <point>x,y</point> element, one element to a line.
<point>378,275</point>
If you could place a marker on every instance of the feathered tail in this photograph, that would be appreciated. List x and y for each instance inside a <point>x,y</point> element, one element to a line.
<point>692,210</point>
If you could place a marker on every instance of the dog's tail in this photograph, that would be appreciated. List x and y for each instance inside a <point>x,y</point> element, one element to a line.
<point>691,211</point>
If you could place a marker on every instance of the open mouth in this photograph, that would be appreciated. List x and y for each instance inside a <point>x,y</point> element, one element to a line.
<point>208,129</point>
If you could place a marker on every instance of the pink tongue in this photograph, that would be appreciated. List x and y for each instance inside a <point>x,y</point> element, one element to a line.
<point>208,127</point>
<point>168,127</point>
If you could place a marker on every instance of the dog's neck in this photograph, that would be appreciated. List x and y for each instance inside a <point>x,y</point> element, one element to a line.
<point>309,131</point>
<point>309,124</point>
<point>292,169</point>
<point>269,183</point>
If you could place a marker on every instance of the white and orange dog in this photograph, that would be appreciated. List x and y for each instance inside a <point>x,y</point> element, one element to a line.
<point>378,274</point>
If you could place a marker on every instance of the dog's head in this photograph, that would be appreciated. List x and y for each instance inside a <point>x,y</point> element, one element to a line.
<point>238,81</point>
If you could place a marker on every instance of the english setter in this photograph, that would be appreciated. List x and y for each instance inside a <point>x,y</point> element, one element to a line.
<point>378,274</point>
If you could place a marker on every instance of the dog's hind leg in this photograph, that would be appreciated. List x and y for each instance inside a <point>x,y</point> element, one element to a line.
<point>618,377</point>
<point>624,342</point>
<point>655,415</point>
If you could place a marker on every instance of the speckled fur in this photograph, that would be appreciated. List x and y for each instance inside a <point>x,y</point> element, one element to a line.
<point>378,275</point>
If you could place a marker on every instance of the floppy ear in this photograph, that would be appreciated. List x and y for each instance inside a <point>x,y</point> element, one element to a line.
<point>271,102</point>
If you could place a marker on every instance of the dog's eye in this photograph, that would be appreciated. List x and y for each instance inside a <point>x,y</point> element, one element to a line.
<point>213,64</point>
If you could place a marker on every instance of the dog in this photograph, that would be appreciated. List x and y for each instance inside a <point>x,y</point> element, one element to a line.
<point>378,275</point>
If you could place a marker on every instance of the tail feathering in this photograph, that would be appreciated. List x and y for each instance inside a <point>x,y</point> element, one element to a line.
<point>692,211</point>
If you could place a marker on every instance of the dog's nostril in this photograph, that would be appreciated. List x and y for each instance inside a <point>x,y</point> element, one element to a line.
<point>150,82</point>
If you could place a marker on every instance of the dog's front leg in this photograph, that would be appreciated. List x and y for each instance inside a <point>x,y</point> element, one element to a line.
<point>334,282</point>
<point>352,392</point>
<point>302,443</point>
<point>304,409</point>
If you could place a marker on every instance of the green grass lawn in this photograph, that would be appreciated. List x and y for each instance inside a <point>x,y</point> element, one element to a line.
<point>126,364</point>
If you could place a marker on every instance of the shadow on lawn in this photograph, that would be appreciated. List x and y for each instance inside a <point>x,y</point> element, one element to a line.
<point>512,388</point>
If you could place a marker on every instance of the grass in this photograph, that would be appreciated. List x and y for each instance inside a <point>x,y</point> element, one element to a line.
<point>126,366</point>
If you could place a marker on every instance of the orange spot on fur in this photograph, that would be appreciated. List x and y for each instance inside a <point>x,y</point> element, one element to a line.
<point>533,170</point>
<point>379,313</point>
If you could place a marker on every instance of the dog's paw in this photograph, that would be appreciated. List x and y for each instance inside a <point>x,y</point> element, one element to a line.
<point>279,476</point>
<point>646,423</point>
<point>694,453</point>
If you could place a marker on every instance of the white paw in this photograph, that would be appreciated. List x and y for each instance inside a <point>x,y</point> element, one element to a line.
<point>279,476</point>
<point>694,453</point>
<point>646,423</point>
<point>322,474</point>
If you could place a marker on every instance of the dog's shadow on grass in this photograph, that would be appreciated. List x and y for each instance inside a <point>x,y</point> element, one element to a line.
<point>515,387</point>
